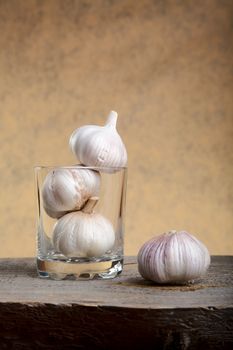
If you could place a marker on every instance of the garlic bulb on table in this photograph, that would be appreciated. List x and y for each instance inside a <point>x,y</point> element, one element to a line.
<point>173,257</point>
<point>99,146</point>
<point>83,233</point>
<point>67,189</point>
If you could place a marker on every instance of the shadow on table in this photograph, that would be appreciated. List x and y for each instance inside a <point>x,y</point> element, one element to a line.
<point>142,283</point>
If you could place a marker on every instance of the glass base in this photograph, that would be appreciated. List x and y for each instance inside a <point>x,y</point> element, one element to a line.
<point>79,270</point>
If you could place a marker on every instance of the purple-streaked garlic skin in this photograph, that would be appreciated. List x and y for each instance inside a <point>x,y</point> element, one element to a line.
<point>173,257</point>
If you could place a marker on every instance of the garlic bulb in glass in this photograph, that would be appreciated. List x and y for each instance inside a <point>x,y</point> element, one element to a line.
<point>67,189</point>
<point>99,145</point>
<point>83,233</point>
<point>173,257</point>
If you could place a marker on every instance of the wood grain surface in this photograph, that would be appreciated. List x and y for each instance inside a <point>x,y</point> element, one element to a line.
<point>126,311</point>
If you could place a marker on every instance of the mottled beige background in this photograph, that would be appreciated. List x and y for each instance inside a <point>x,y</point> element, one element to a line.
<point>165,66</point>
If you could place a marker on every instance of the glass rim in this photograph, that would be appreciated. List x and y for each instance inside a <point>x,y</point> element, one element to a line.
<point>78,166</point>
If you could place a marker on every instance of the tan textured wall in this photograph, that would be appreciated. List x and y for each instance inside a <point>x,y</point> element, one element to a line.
<point>165,66</point>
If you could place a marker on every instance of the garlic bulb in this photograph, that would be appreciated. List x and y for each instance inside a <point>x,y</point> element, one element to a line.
<point>83,233</point>
<point>173,257</point>
<point>99,145</point>
<point>67,189</point>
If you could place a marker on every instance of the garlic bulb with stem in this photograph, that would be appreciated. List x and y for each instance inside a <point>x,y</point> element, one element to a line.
<point>83,233</point>
<point>173,257</point>
<point>99,145</point>
<point>67,189</point>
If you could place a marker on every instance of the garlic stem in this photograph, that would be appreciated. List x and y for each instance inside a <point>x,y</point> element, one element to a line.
<point>89,206</point>
<point>112,119</point>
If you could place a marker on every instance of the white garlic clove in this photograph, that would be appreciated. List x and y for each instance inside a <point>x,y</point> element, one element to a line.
<point>67,189</point>
<point>83,233</point>
<point>173,257</point>
<point>99,146</point>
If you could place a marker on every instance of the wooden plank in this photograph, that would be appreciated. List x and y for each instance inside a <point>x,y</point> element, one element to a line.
<point>126,311</point>
<point>19,283</point>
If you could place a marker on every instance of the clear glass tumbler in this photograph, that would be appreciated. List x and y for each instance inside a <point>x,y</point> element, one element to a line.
<point>80,221</point>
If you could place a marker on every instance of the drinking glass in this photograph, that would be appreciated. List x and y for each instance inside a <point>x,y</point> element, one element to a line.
<point>54,262</point>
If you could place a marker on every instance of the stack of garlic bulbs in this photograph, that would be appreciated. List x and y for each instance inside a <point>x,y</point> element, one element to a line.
<point>69,194</point>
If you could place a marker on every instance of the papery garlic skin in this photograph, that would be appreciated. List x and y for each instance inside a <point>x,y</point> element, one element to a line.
<point>67,189</point>
<point>173,257</point>
<point>83,234</point>
<point>99,146</point>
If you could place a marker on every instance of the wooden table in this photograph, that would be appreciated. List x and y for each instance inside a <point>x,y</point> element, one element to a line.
<point>123,313</point>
